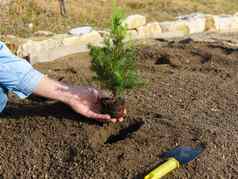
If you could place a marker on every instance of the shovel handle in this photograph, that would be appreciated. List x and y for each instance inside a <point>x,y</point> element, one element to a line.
<point>163,169</point>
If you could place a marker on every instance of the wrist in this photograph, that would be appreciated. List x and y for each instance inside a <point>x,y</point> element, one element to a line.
<point>63,93</point>
<point>66,94</point>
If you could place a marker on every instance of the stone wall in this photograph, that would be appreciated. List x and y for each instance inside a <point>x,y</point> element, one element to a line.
<point>54,46</point>
<point>184,25</point>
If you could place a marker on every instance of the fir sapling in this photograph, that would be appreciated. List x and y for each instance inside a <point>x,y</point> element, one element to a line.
<point>114,65</point>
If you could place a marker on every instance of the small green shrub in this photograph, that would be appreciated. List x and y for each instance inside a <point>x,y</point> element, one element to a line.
<point>114,63</point>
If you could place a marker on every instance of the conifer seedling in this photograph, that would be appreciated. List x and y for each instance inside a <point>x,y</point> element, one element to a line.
<point>114,65</point>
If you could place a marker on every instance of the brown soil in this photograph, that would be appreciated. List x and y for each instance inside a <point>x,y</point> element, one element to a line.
<point>190,97</point>
<point>115,107</point>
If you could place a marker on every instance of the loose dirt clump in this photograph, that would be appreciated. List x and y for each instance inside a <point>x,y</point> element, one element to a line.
<point>190,96</point>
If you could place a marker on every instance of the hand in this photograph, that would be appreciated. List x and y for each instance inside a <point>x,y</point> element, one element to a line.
<point>86,101</point>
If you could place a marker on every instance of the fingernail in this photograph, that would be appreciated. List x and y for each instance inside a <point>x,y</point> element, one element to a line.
<point>114,120</point>
<point>125,112</point>
<point>121,119</point>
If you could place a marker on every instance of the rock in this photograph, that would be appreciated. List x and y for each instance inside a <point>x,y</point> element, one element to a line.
<point>31,26</point>
<point>192,15</point>
<point>210,23</point>
<point>132,35</point>
<point>150,30</point>
<point>169,35</point>
<point>196,22</point>
<point>93,38</point>
<point>199,22</point>
<point>81,30</point>
<point>43,33</point>
<point>134,21</point>
<point>226,23</point>
<point>57,47</point>
<point>37,51</point>
<point>179,26</point>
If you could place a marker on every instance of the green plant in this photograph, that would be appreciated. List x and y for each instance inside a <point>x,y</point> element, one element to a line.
<point>114,63</point>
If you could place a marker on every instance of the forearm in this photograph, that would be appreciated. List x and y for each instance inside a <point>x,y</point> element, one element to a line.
<point>53,89</point>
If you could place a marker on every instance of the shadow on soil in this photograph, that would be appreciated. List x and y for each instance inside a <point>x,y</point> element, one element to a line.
<point>124,133</point>
<point>52,109</point>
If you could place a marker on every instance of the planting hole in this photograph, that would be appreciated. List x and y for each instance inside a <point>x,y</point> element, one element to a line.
<point>163,60</point>
<point>124,133</point>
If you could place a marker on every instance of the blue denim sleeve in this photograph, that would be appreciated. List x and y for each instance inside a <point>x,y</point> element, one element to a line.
<point>16,74</point>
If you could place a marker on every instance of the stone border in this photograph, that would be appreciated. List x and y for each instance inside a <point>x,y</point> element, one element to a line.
<point>184,25</point>
<point>52,47</point>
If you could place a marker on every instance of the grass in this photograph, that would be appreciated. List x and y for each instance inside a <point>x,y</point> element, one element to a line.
<point>44,14</point>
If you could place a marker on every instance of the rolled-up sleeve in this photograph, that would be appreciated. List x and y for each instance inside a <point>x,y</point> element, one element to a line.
<point>3,99</point>
<point>16,74</point>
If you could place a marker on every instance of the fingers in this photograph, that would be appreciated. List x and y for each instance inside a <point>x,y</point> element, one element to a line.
<point>113,120</point>
<point>99,117</point>
<point>102,117</point>
<point>124,114</point>
<point>121,119</point>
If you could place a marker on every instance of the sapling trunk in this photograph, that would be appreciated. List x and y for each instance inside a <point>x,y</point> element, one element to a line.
<point>114,106</point>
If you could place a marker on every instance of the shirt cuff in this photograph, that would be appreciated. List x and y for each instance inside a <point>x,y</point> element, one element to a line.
<point>3,100</point>
<point>28,83</point>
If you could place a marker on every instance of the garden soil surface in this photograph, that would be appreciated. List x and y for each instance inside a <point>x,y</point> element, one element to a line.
<point>190,96</point>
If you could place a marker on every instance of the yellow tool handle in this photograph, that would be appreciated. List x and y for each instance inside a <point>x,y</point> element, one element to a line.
<point>163,169</point>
